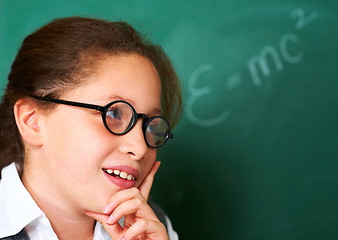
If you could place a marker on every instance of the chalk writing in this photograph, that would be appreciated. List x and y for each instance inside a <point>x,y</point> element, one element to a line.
<point>262,62</point>
<point>284,51</point>
<point>195,94</point>
<point>257,66</point>
<point>303,20</point>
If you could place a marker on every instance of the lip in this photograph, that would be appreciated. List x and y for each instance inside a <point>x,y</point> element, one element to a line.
<point>120,182</point>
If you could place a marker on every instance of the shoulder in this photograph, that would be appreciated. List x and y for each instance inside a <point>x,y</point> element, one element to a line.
<point>20,236</point>
<point>162,216</point>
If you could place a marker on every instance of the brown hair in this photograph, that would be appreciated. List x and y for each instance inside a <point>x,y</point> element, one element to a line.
<point>58,56</point>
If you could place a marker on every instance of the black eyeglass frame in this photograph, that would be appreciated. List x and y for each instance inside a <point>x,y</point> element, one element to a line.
<point>104,110</point>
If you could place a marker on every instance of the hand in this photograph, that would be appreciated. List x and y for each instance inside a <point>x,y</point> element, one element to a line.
<point>140,221</point>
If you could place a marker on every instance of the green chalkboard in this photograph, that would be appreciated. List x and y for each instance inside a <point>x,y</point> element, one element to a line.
<point>256,153</point>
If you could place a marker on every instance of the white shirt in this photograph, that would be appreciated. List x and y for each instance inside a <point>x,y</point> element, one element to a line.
<point>18,210</point>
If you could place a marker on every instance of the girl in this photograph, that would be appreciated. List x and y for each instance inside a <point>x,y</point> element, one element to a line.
<point>87,104</point>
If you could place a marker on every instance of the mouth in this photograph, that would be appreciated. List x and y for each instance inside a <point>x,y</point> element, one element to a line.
<point>120,174</point>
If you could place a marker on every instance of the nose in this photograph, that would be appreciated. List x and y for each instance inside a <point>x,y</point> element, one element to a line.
<point>133,142</point>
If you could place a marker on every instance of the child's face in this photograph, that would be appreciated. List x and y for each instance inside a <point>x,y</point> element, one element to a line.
<point>78,148</point>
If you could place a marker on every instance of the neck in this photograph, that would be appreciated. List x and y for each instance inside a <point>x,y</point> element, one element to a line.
<point>67,221</point>
<point>69,227</point>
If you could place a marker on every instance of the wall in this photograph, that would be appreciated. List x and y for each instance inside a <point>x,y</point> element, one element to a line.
<point>255,155</point>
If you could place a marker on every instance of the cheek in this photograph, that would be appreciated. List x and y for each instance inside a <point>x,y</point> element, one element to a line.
<point>75,141</point>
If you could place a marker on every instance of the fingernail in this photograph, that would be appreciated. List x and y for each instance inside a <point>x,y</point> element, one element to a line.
<point>110,220</point>
<point>105,209</point>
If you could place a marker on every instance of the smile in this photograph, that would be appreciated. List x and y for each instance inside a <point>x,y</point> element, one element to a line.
<point>120,174</point>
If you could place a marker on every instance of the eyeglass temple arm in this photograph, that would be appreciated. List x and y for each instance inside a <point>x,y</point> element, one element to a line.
<point>70,103</point>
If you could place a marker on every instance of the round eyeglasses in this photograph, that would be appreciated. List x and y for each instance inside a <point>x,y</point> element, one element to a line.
<point>119,117</point>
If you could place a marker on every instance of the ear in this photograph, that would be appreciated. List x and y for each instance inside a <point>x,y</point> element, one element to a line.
<point>27,120</point>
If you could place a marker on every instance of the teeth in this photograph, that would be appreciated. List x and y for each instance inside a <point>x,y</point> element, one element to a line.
<point>121,174</point>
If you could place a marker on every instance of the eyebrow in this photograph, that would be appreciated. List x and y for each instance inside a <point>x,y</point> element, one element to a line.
<point>116,98</point>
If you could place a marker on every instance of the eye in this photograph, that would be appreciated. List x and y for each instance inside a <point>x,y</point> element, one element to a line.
<point>153,126</point>
<point>114,113</point>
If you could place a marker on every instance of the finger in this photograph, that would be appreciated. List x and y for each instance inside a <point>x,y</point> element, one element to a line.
<point>97,216</point>
<point>124,209</point>
<point>130,193</point>
<point>136,208</point>
<point>113,230</point>
<point>121,197</point>
<point>149,229</point>
<point>145,186</point>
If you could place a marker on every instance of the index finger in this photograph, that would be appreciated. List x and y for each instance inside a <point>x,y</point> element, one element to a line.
<point>145,186</point>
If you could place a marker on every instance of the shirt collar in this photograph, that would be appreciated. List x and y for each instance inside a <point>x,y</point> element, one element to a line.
<point>17,207</point>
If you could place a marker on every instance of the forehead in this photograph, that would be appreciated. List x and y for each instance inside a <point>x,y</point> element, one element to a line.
<point>128,76</point>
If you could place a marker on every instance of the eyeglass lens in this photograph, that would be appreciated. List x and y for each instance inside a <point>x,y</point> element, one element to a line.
<point>120,118</point>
